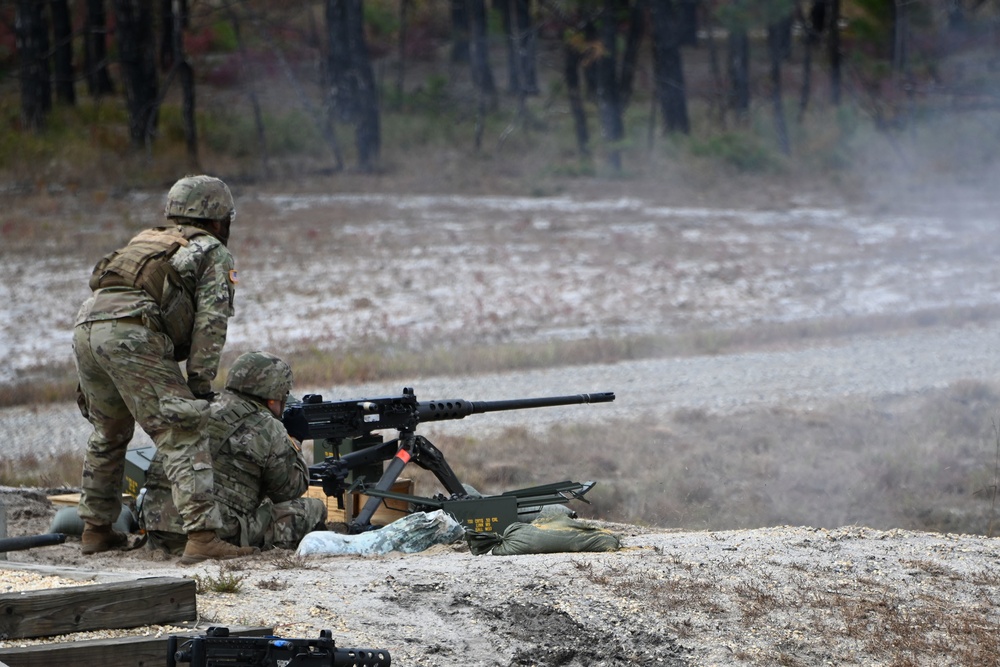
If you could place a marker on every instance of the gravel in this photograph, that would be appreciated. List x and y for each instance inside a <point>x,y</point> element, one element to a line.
<point>782,595</point>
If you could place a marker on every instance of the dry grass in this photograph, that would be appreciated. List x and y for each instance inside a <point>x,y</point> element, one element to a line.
<point>50,471</point>
<point>921,463</point>
<point>228,580</point>
<point>326,367</point>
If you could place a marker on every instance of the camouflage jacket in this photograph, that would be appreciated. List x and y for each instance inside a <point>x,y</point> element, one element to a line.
<point>205,266</point>
<point>253,460</point>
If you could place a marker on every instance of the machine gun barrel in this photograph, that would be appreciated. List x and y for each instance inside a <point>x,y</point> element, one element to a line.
<point>430,411</point>
<point>313,418</point>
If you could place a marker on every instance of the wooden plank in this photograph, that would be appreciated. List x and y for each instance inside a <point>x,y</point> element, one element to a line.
<point>387,512</point>
<point>120,604</point>
<point>119,652</point>
<point>73,499</point>
<point>65,499</point>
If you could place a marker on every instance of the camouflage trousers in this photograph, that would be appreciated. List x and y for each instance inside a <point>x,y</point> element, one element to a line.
<point>281,525</point>
<point>127,374</point>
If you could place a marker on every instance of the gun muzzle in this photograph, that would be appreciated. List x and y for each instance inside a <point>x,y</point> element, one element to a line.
<point>369,657</point>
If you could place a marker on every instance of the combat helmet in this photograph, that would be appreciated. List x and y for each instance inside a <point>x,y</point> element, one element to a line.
<point>261,375</point>
<point>200,198</point>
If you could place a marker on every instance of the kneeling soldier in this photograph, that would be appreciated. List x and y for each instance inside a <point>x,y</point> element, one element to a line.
<point>260,473</point>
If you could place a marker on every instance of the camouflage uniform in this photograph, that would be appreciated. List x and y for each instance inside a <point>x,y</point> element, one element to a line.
<point>127,352</point>
<point>260,474</point>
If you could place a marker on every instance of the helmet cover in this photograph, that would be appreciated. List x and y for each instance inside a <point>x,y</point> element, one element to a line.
<point>260,374</point>
<point>200,198</point>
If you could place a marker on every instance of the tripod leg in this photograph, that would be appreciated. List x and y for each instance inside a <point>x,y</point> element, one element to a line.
<point>389,477</point>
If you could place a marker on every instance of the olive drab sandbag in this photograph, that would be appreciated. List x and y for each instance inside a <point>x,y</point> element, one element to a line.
<point>145,264</point>
<point>546,535</point>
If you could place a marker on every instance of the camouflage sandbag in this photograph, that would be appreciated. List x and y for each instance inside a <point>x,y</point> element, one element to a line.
<point>411,534</point>
<point>546,535</point>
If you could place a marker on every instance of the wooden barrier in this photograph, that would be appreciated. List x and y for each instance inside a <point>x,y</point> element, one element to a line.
<point>122,604</point>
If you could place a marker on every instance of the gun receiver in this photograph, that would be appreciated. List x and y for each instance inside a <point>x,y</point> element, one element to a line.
<point>216,647</point>
<point>337,421</point>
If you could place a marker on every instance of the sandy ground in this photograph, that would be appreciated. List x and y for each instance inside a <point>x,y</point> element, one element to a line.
<point>783,595</point>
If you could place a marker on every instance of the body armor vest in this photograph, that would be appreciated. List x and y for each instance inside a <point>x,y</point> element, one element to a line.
<point>145,264</point>
<point>237,473</point>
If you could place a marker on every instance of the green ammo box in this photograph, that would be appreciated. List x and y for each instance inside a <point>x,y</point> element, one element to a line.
<point>483,515</point>
<point>136,464</point>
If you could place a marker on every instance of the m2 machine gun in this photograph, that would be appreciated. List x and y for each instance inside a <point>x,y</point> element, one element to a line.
<point>216,647</point>
<point>350,421</point>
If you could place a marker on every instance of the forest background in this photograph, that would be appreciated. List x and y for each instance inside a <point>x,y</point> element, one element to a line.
<point>128,93</point>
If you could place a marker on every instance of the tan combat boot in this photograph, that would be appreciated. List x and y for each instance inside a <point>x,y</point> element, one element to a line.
<point>205,544</point>
<point>99,537</point>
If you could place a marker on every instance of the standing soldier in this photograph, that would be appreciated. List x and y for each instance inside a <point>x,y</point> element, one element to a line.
<point>164,298</point>
<point>260,473</point>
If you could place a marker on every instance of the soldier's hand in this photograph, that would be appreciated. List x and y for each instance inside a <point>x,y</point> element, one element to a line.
<point>295,423</point>
<point>207,396</point>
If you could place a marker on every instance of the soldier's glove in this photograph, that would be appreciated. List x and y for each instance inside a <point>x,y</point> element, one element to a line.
<point>207,396</point>
<point>295,423</point>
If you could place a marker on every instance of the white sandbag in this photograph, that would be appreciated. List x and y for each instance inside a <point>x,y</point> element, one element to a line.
<point>411,534</point>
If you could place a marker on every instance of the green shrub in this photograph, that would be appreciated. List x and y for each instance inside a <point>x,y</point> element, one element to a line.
<point>743,151</point>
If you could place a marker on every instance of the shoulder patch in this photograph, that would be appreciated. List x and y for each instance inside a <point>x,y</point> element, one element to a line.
<point>233,276</point>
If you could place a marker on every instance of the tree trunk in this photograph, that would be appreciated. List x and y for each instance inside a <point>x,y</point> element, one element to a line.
<point>527,48</point>
<point>169,27</point>
<point>689,22</point>
<point>509,33</point>
<point>31,34</point>
<point>166,34</point>
<point>404,7</point>
<point>633,40</point>
<point>718,103</point>
<point>572,74</point>
<point>783,35</point>
<point>95,54</point>
<point>833,21</point>
<point>136,52</point>
<point>956,16</point>
<point>353,94</point>
<point>738,46</point>
<point>900,37</point>
<point>608,104</point>
<point>776,45</point>
<point>668,67</point>
<point>186,72</point>
<point>459,31</point>
<point>482,74</point>
<point>590,67</point>
<point>807,42</point>
<point>62,52</point>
